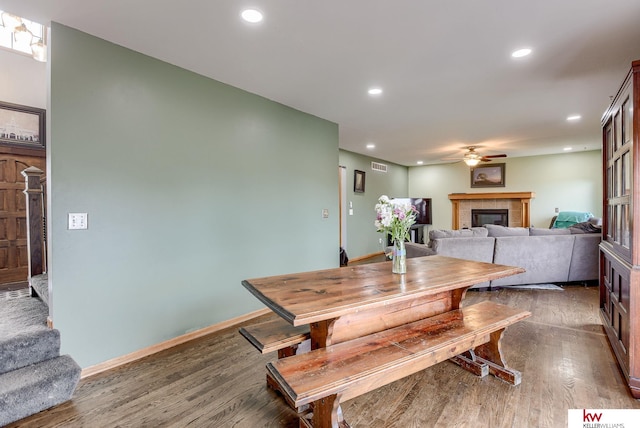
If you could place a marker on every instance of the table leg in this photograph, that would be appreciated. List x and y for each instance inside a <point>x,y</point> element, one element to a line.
<point>321,333</point>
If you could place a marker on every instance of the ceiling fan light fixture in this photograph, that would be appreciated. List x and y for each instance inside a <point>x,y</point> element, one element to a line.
<point>472,161</point>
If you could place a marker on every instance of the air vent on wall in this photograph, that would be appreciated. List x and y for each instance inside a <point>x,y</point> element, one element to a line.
<point>376,166</point>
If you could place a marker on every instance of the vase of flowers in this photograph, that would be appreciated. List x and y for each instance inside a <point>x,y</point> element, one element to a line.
<point>395,218</point>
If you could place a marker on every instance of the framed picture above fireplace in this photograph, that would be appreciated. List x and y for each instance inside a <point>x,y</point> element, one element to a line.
<point>488,175</point>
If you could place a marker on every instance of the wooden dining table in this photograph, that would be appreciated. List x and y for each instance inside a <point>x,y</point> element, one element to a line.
<point>345,303</point>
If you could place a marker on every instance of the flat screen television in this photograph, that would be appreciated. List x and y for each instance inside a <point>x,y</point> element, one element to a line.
<point>423,205</point>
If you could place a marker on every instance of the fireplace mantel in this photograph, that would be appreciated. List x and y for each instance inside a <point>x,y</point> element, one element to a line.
<point>523,200</point>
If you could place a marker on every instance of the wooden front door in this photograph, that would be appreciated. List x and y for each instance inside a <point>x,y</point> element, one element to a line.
<point>14,255</point>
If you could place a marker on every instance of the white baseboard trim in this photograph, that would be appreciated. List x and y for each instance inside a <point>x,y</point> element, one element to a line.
<point>153,349</point>
<point>366,256</point>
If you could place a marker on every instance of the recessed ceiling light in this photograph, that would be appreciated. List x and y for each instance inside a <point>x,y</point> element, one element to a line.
<point>568,149</point>
<point>420,162</point>
<point>574,117</point>
<point>521,52</point>
<point>375,91</point>
<point>251,15</point>
<point>371,146</point>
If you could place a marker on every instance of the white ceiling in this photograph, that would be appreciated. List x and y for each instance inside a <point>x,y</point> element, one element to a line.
<point>445,66</point>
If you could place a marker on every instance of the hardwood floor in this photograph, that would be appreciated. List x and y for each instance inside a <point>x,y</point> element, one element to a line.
<point>219,380</point>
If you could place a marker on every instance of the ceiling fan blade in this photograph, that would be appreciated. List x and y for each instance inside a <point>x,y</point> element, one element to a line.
<point>502,155</point>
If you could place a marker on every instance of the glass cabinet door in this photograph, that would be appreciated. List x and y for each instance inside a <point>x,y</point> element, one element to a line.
<point>619,176</point>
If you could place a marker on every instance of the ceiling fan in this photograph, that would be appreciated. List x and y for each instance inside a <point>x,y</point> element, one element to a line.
<point>473,158</point>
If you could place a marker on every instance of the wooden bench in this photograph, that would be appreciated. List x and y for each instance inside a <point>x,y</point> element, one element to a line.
<point>326,376</point>
<point>276,335</point>
<point>279,335</point>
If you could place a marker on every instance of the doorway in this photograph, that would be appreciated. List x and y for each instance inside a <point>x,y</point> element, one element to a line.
<point>14,253</point>
<point>342,190</point>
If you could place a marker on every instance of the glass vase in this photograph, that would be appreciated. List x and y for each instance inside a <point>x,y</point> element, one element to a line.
<point>399,261</point>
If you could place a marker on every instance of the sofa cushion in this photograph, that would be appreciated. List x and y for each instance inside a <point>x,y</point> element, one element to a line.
<point>497,230</point>
<point>539,231</point>
<point>415,250</point>
<point>479,249</point>
<point>545,258</point>
<point>584,227</point>
<point>445,233</point>
<point>585,258</point>
<point>480,232</point>
<point>468,248</point>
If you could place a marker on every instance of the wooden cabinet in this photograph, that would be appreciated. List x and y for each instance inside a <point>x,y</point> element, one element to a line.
<point>620,247</point>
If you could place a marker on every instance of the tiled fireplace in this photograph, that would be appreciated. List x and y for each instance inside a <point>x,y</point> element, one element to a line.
<point>517,204</point>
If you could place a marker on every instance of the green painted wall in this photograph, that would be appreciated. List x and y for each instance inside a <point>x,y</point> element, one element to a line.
<point>570,182</point>
<point>362,238</point>
<point>190,186</point>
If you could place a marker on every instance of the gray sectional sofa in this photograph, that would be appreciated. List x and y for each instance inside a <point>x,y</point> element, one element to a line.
<point>547,255</point>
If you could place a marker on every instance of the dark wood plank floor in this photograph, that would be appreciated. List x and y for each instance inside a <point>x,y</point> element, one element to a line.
<point>219,381</point>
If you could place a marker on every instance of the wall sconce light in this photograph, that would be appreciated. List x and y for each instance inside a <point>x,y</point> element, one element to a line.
<point>10,21</point>
<point>22,34</point>
<point>39,51</point>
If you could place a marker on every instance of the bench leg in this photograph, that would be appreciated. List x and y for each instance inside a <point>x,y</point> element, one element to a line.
<point>271,383</point>
<point>469,362</point>
<point>325,413</point>
<point>284,353</point>
<point>491,355</point>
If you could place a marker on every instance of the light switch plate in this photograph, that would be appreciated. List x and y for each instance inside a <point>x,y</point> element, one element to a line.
<point>77,221</point>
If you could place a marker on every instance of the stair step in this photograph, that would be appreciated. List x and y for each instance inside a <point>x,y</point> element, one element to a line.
<point>28,347</point>
<point>20,313</point>
<point>37,387</point>
<point>25,338</point>
<point>40,284</point>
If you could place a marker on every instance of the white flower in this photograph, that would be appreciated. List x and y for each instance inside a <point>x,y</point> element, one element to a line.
<point>394,217</point>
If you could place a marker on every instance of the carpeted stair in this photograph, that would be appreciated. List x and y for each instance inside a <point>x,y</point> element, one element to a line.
<point>33,375</point>
<point>40,285</point>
